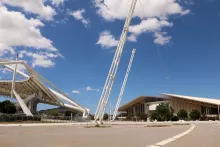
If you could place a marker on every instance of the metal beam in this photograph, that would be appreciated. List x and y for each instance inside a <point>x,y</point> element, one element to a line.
<point>124,84</point>
<point>114,67</point>
<point>22,104</point>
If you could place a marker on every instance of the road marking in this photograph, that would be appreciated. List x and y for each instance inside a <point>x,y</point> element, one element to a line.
<point>164,142</point>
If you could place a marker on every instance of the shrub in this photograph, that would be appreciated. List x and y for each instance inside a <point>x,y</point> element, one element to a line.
<point>7,107</point>
<point>92,117</point>
<point>105,117</point>
<point>175,118</point>
<point>163,112</point>
<point>182,114</point>
<point>195,114</point>
<point>129,116</point>
<point>153,115</point>
<point>53,112</point>
<point>143,116</point>
<point>18,118</point>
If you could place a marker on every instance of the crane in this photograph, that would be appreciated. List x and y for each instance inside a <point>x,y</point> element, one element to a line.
<point>114,66</point>
<point>124,84</point>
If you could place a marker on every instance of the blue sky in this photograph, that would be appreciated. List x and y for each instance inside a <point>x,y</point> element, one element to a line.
<point>72,43</point>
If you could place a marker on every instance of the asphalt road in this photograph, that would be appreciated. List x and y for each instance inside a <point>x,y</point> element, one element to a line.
<point>204,135</point>
<point>78,136</point>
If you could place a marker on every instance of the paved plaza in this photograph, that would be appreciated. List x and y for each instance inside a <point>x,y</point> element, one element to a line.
<point>204,135</point>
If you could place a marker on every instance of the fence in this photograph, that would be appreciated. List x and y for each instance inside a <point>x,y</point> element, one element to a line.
<point>13,118</point>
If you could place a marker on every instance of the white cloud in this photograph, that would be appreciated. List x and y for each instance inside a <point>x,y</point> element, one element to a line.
<point>17,30</point>
<point>154,13</point>
<point>33,6</point>
<point>89,88</point>
<point>57,2</point>
<point>132,38</point>
<point>76,92</point>
<point>78,15</point>
<point>161,38</point>
<point>41,59</point>
<point>148,25</point>
<point>118,9</point>
<point>106,40</point>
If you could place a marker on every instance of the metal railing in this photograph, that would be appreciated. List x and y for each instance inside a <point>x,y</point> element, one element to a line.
<point>14,118</point>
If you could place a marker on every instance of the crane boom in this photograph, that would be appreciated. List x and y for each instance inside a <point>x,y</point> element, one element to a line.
<point>114,66</point>
<point>124,84</point>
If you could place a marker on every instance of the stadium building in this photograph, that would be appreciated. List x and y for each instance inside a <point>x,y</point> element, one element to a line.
<point>146,104</point>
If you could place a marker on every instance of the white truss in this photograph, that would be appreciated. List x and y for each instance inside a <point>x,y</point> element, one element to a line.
<point>31,85</point>
<point>124,84</point>
<point>114,66</point>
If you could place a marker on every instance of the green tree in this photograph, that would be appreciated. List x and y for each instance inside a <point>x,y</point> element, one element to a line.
<point>182,114</point>
<point>53,113</point>
<point>163,112</point>
<point>153,115</point>
<point>195,114</point>
<point>105,117</point>
<point>7,107</point>
<point>68,113</point>
<point>129,116</point>
<point>92,117</point>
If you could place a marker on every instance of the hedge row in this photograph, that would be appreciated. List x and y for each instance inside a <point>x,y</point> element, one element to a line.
<point>18,118</point>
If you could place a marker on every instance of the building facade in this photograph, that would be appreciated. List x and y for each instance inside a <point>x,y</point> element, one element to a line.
<point>145,104</point>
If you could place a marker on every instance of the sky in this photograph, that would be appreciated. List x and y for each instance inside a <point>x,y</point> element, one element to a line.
<point>72,44</point>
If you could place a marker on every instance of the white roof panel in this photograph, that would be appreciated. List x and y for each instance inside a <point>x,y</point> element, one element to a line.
<point>199,99</point>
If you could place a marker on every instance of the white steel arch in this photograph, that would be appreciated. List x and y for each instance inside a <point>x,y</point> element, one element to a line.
<point>114,66</point>
<point>36,80</point>
<point>124,84</point>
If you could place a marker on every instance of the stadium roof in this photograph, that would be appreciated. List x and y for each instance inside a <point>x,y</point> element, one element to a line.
<point>198,99</point>
<point>141,99</point>
<point>34,83</point>
<point>28,87</point>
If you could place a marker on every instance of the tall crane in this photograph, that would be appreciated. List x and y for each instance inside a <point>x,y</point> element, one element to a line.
<point>124,84</point>
<point>114,66</point>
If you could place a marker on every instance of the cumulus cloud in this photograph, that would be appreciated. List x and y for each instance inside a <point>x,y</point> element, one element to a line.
<point>106,39</point>
<point>57,2</point>
<point>17,30</point>
<point>161,38</point>
<point>148,25</point>
<point>118,9</point>
<point>41,59</point>
<point>33,6</point>
<point>89,88</point>
<point>154,13</point>
<point>76,92</point>
<point>78,15</point>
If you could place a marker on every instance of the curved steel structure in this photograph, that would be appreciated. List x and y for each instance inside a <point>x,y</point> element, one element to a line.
<point>33,90</point>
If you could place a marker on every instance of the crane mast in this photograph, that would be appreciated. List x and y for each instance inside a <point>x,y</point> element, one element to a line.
<point>124,84</point>
<point>114,66</point>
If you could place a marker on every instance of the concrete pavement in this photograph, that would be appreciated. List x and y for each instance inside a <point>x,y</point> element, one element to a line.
<point>78,136</point>
<point>204,135</point>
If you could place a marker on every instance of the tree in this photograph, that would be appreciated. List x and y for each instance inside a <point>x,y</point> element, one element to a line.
<point>92,117</point>
<point>153,115</point>
<point>174,118</point>
<point>163,112</point>
<point>195,114</point>
<point>53,113</point>
<point>7,107</point>
<point>182,114</point>
<point>129,116</point>
<point>68,113</point>
<point>105,117</point>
